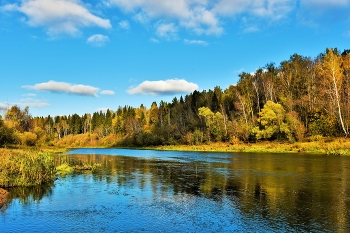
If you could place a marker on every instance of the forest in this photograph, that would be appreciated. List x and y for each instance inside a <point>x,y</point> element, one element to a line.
<point>300,98</point>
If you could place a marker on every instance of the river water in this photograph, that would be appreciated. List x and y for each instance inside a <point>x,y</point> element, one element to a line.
<point>164,191</point>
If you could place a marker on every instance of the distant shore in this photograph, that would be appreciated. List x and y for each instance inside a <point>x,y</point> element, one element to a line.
<point>335,147</point>
<point>329,146</point>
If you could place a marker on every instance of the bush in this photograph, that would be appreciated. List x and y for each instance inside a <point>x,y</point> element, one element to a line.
<point>28,139</point>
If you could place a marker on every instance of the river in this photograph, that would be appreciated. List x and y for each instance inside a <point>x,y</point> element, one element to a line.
<point>166,191</point>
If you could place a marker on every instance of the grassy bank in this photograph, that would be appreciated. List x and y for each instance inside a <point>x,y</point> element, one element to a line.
<point>335,146</point>
<point>25,168</point>
<point>315,145</point>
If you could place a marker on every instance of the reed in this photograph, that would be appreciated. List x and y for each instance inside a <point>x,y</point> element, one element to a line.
<point>25,168</point>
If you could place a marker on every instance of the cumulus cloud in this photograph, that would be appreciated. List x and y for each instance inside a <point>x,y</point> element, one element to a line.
<point>163,87</point>
<point>107,92</point>
<point>63,87</point>
<point>196,42</point>
<point>58,16</point>
<point>97,40</point>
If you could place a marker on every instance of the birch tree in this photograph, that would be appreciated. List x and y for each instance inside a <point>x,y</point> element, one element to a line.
<point>332,72</point>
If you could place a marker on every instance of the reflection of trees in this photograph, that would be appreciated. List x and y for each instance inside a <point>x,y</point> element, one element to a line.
<point>27,195</point>
<point>302,189</point>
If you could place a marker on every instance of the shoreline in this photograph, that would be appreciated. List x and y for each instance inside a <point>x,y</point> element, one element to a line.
<point>336,146</point>
<point>263,147</point>
<point>3,197</point>
<point>328,146</point>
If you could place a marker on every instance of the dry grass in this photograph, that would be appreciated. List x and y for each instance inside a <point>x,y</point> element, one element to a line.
<point>331,146</point>
<point>25,168</point>
<point>86,140</point>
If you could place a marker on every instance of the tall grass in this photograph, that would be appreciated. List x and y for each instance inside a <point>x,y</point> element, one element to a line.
<point>25,168</point>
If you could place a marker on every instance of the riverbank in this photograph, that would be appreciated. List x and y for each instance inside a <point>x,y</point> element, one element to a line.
<point>315,145</point>
<point>3,197</point>
<point>338,146</point>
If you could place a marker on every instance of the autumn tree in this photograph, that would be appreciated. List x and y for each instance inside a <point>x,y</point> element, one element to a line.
<point>331,70</point>
<point>7,134</point>
<point>271,119</point>
<point>19,119</point>
<point>213,122</point>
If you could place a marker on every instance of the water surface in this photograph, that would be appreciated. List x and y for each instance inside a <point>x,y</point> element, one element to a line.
<point>163,191</point>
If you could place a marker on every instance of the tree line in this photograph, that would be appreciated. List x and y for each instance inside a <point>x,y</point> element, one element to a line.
<point>301,97</point>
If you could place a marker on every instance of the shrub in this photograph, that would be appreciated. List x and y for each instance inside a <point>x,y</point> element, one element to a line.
<point>28,139</point>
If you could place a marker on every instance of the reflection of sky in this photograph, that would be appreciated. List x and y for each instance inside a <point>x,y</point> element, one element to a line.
<point>81,203</point>
<point>160,155</point>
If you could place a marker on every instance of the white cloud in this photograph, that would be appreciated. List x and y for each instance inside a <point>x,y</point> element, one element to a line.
<point>163,87</point>
<point>251,29</point>
<point>124,24</point>
<point>205,16</point>
<point>9,7</point>
<point>238,71</point>
<point>3,107</point>
<point>196,42</point>
<point>323,13</point>
<point>59,16</point>
<point>30,94</point>
<point>107,92</point>
<point>273,9</point>
<point>97,40</point>
<point>154,40</point>
<point>195,15</point>
<point>63,87</point>
<point>338,3</point>
<point>141,18</point>
<point>203,21</point>
<point>168,31</point>
<point>30,102</point>
<point>102,109</point>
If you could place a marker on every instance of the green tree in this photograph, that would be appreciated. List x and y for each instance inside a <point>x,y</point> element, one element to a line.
<point>213,122</point>
<point>272,122</point>
<point>7,134</point>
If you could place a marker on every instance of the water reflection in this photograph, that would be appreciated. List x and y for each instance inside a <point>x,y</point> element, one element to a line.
<point>28,195</point>
<point>191,192</point>
<point>306,192</point>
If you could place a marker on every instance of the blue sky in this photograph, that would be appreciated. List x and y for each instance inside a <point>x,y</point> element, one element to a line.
<point>61,57</point>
